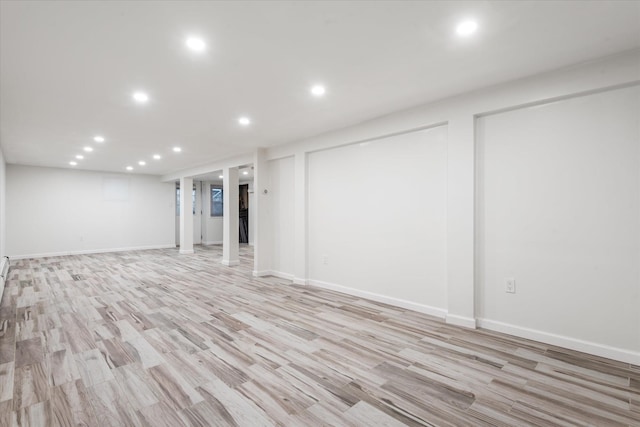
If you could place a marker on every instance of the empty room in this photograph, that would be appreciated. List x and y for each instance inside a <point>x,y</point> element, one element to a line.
<point>319,213</point>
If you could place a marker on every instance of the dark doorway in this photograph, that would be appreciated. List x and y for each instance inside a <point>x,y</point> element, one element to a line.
<point>243,199</point>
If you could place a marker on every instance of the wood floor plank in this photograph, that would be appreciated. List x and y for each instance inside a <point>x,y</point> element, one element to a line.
<point>154,338</point>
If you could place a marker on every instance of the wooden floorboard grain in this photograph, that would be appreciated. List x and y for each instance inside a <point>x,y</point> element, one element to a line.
<point>154,338</point>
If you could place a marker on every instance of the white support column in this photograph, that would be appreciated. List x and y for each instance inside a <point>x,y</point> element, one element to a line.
<point>230,220</point>
<point>300,219</point>
<point>186,216</point>
<point>460,221</point>
<point>262,239</point>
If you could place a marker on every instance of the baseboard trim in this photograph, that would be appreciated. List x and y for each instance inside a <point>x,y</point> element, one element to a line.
<point>300,281</point>
<point>212,242</point>
<point>261,273</point>
<point>421,308</point>
<point>186,252</point>
<point>230,262</point>
<point>589,347</point>
<point>92,251</point>
<point>281,275</point>
<point>465,322</point>
<point>4,263</point>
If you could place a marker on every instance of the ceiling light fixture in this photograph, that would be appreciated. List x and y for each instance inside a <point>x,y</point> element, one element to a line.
<point>140,97</point>
<point>245,173</point>
<point>196,44</point>
<point>466,28</point>
<point>142,163</point>
<point>79,157</point>
<point>98,138</point>
<point>73,163</point>
<point>88,149</point>
<point>177,149</point>
<point>318,90</point>
<point>129,168</point>
<point>157,157</point>
<point>244,121</point>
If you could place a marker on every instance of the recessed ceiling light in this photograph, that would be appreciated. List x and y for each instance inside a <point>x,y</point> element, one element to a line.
<point>177,149</point>
<point>318,90</point>
<point>142,163</point>
<point>73,163</point>
<point>245,173</point>
<point>220,176</point>
<point>79,157</point>
<point>244,121</point>
<point>196,44</point>
<point>88,149</point>
<point>157,157</point>
<point>98,138</point>
<point>140,97</point>
<point>466,28</point>
<point>129,168</point>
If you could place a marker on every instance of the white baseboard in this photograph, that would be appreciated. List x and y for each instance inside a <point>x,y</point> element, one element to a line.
<point>622,355</point>
<point>426,309</point>
<point>300,281</point>
<point>186,251</point>
<point>92,251</point>
<point>230,262</point>
<point>212,242</point>
<point>281,275</point>
<point>465,322</point>
<point>4,263</point>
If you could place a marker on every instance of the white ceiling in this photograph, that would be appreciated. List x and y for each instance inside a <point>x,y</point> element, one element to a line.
<point>67,69</point>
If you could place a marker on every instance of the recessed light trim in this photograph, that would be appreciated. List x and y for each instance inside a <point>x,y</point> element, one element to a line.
<point>73,163</point>
<point>466,28</point>
<point>244,121</point>
<point>318,90</point>
<point>79,156</point>
<point>88,149</point>
<point>220,176</point>
<point>142,163</point>
<point>245,173</point>
<point>157,157</point>
<point>98,138</point>
<point>140,97</point>
<point>196,44</point>
<point>177,149</point>
<point>129,168</point>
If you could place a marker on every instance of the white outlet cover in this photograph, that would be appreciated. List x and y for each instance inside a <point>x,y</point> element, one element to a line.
<point>510,285</point>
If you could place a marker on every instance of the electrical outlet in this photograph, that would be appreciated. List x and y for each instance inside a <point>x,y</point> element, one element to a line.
<point>510,285</point>
<point>325,259</point>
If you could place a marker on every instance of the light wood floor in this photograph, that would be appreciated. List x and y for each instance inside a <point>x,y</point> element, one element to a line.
<point>151,338</point>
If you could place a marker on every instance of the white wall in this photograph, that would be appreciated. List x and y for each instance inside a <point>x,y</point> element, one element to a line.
<point>3,209</point>
<point>559,211</point>
<point>59,211</point>
<point>459,114</point>
<point>377,217</point>
<point>281,207</point>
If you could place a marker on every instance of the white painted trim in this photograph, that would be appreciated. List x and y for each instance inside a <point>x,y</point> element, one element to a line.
<point>230,262</point>
<point>92,251</point>
<point>622,355</point>
<point>465,322</point>
<point>281,275</point>
<point>261,273</point>
<point>4,262</point>
<point>212,242</point>
<point>421,308</point>
<point>186,252</point>
<point>300,281</point>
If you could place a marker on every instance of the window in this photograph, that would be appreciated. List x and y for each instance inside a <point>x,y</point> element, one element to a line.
<point>216,200</point>
<point>193,200</point>
<point>177,200</point>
